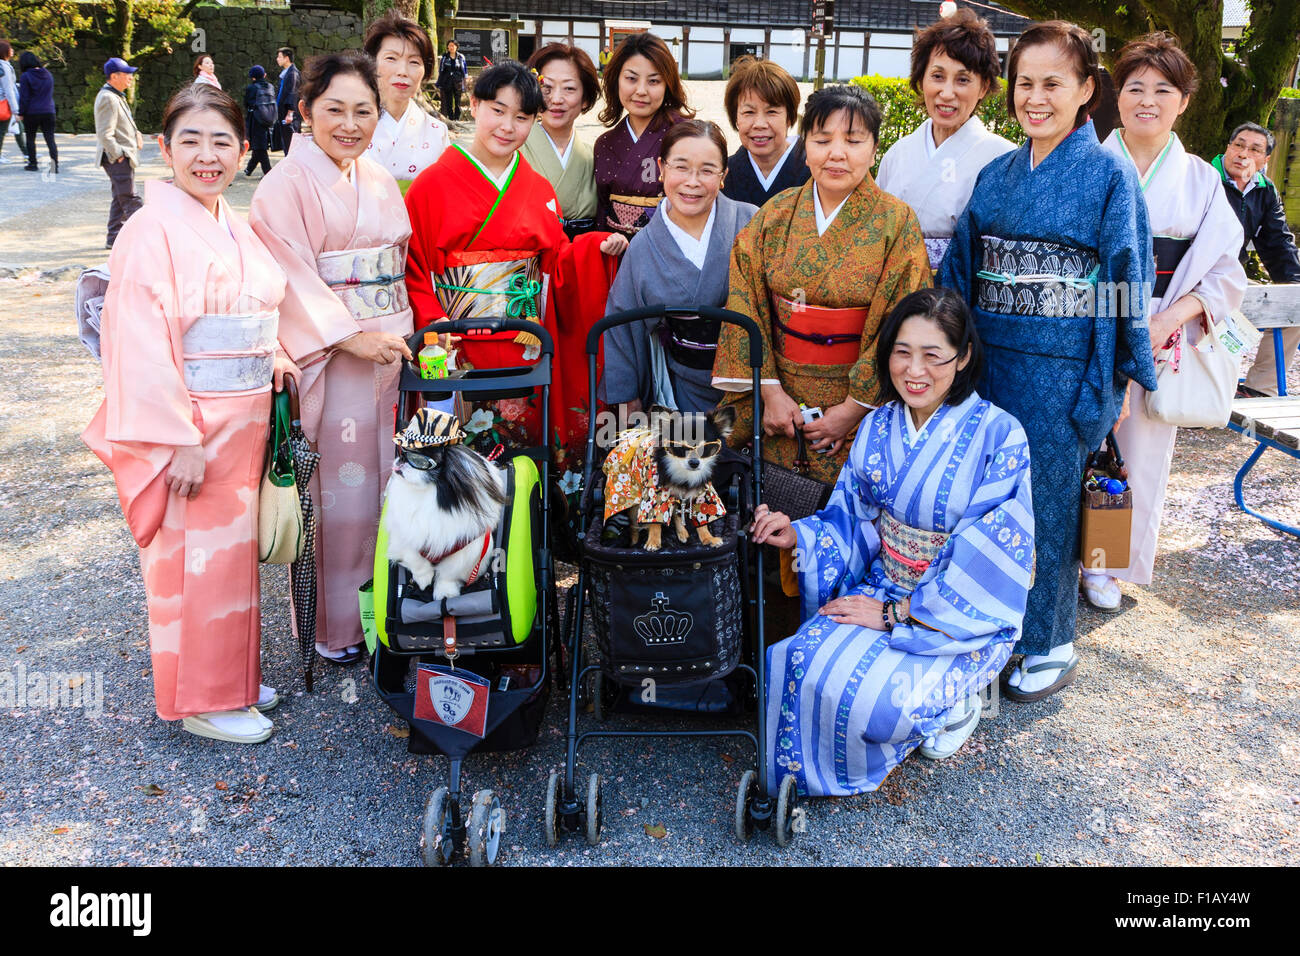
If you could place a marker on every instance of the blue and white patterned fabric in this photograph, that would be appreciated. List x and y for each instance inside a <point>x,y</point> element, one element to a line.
<point>846,704</point>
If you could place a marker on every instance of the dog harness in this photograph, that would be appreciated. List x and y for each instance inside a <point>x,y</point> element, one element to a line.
<point>473,574</point>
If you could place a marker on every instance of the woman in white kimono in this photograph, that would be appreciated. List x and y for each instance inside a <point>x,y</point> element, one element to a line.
<point>913,579</point>
<point>571,87</point>
<point>1196,238</point>
<point>933,168</point>
<point>408,139</point>
<point>336,223</point>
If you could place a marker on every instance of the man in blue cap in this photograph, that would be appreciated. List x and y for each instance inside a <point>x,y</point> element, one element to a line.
<point>119,143</point>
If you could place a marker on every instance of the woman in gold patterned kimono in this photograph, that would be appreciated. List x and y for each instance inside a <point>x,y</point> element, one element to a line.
<point>819,267</point>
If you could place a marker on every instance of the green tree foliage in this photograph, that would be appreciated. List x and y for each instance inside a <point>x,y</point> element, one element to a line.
<point>46,27</point>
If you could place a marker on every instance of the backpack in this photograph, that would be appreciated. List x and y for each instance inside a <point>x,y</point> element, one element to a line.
<point>264,108</point>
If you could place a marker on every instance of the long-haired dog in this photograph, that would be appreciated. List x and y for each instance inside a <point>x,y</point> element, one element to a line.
<point>443,505</point>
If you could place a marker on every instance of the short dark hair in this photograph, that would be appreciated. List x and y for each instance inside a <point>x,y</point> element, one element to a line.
<point>587,74</point>
<point>829,100</point>
<point>767,80</point>
<point>1255,128</point>
<point>694,128</point>
<point>201,96</point>
<point>320,70</point>
<point>27,60</point>
<point>1160,52</point>
<point>1074,42</point>
<point>393,24</point>
<point>514,74</point>
<point>948,310</point>
<point>656,51</point>
<point>964,36</point>
<point>285,50</point>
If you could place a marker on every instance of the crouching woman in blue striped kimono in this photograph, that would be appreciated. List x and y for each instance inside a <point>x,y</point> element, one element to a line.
<point>913,578</point>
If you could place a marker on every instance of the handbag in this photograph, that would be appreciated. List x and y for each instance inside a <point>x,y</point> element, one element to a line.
<point>5,111</point>
<point>790,490</point>
<point>1199,392</point>
<point>279,508</point>
<point>1106,518</point>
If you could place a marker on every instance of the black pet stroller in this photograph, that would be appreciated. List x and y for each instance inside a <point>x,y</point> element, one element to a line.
<point>684,616</point>
<point>494,633</point>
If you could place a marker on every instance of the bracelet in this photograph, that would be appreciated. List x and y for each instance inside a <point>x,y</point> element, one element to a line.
<point>885,614</point>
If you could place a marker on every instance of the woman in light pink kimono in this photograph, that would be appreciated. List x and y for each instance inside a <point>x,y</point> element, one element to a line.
<point>335,222</point>
<point>188,342</point>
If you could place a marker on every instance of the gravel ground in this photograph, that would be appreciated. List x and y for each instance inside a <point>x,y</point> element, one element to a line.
<point>1176,745</point>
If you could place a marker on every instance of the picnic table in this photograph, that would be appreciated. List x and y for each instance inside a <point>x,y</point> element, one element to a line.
<point>1272,423</point>
<point>1272,308</point>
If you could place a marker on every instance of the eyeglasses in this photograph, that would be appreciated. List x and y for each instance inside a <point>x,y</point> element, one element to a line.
<point>685,449</point>
<point>418,461</point>
<point>705,174</point>
<point>1244,148</point>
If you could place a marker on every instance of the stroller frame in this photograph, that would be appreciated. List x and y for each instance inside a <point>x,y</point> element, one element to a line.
<point>446,832</point>
<point>755,809</point>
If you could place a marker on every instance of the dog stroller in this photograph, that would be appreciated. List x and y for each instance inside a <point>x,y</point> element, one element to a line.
<point>487,645</point>
<point>686,615</point>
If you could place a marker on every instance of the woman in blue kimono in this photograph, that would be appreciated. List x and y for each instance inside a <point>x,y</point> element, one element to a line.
<point>1053,253</point>
<point>913,578</point>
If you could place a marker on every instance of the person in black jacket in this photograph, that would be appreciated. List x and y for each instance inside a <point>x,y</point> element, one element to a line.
<point>286,101</point>
<point>452,70</point>
<point>1254,199</point>
<point>36,108</point>
<point>259,102</point>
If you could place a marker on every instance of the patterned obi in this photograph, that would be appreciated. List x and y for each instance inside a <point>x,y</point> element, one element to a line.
<point>1168,253</point>
<point>370,282</point>
<point>499,284</point>
<point>230,353</point>
<point>1027,277</point>
<point>935,247</point>
<point>816,335</point>
<point>690,340</point>
<point>907,551</point>
<point>629,214</point>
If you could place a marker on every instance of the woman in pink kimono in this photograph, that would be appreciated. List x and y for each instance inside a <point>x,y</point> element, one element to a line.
<point>335,222</point>
<point>188,341</point>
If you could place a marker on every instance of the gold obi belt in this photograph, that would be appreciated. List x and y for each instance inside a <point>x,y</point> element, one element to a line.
<point>816,335</point>
<point>906,551</point>
<point>230,353</point>
<point>499,284</point>
<point>370,282</point>
<point>629,214</point>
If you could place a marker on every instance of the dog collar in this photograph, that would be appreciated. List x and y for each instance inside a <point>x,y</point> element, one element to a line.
<point>473,575</point>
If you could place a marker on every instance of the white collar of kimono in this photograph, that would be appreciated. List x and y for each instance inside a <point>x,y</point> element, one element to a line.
<point>1145,180</point>
<point>222,219</point>
<point>498,181</point>
<point>766,181</point>
<point>563,157</point>
<point>824,220</point>
<point>961,412</point>
<point>631,132</point>
<point>693,249</point>
<point>913,430</point>
<point>967,130</point>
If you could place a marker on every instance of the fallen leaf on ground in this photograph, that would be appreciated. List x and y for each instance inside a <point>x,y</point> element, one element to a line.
<point>152,790</point>
<point>76,682</point>
<point>20,648</point>
<point>60,829</point>
<point>399,732</point>
<point>222,785</point>
<point>658,831</point>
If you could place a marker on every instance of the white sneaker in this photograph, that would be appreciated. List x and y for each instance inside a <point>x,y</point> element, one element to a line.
<point>1101,591</point>
<point>962,721</point>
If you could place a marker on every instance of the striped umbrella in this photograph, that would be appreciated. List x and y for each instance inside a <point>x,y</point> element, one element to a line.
<point>302,573</point>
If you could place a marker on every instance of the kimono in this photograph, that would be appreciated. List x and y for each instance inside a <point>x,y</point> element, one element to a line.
<point>795,283</point>
<point>743,184</point>
<point>342,242</point>
<point>1196,240</point>
<point>1055,261</point>
<point>943,518</point>
<point>669,363</point>
<point>408,146</point>
<point>632,481</point>
<point>480,250</point>
<point>188,340</point>
<point>627,175</point>
<point>574,181</point>
<point>937,181</point>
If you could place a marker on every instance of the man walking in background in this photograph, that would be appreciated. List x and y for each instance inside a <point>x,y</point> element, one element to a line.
<point>118,143</point>
<point>286,101</point>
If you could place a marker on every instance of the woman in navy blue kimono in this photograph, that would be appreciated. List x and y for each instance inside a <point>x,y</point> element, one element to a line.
<point>1053,253</point>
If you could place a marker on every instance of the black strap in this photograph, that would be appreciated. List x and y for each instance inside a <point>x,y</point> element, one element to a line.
<point>835,338</point>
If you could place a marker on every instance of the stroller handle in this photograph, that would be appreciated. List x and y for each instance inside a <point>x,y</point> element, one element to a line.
<point>486,324</point>
<point>703,311</point>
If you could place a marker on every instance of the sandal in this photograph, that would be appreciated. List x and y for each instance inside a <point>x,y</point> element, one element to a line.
<point>1069,671</point>
<point>345,657</point>
<point>203,725</point>
<point>954,736</point>
<point>269,698</point>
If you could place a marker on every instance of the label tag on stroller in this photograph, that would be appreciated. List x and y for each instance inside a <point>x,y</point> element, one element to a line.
<point>453,698</point>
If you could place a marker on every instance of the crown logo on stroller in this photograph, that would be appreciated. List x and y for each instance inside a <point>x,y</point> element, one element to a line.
<point>662,626</point>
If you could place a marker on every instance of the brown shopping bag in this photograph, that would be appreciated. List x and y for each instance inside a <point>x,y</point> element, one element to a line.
<point>1106,519</point>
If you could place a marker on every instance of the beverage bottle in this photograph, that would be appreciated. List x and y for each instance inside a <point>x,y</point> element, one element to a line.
<point>433,357</point>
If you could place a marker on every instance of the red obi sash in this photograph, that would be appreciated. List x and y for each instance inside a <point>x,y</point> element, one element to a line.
<point>815,335</point>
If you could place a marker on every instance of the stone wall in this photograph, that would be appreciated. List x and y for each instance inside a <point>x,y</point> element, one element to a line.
<point>235,37</point>
<point>1284,164</point>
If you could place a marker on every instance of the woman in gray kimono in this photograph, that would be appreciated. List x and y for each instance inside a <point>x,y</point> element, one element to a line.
<point>681,258</point>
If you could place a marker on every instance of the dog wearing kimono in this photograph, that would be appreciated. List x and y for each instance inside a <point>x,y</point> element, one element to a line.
<point>665,473</point>
<point>443,505</point>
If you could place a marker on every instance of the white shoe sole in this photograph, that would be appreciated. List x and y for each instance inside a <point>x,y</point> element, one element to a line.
<point>204,728</point>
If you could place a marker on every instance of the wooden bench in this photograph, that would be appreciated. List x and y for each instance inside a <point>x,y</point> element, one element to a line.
<point>1273,308</point>
<point>1272,423</point>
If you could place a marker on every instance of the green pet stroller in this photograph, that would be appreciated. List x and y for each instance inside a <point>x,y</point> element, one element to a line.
<point>470,672</point>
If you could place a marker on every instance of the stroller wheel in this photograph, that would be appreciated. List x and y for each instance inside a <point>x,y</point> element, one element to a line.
<point>787,803</point>
<point>436,844</point>
<point>486,822</point>
<point>594,819</point>
<point>551,822</point>
<point>744,796</point>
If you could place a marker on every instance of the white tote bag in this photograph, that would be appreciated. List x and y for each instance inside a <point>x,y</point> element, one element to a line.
<point>1200,393</point>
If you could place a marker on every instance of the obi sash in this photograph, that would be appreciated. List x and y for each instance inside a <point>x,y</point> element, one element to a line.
<point>629,214</point>
<point>816,335</point>
<point>1169,252</point>
<point>906,551</point>
<point>690,340</point>
<point>230,353</point>
<point>370,282</point>
<point>499,284</point>
<point>1031,277</point>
